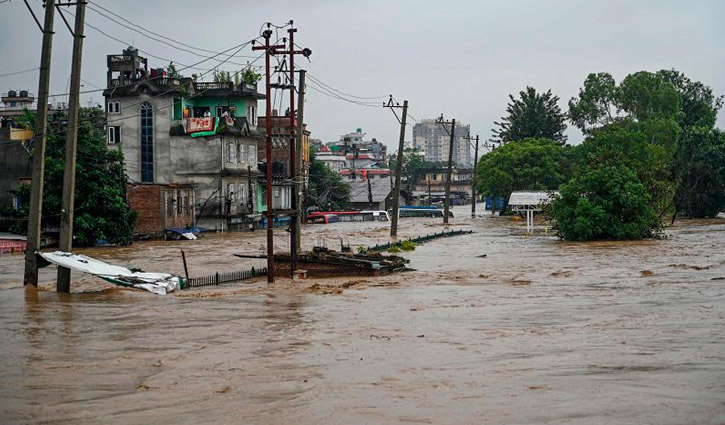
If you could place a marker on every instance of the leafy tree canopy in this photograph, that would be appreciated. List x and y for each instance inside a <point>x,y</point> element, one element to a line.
<point>530,164</point>
<point>532,115</point>
<point>325,187</point>
<point>700,171</point>
<point>101,210</point>
<point>606,202</point>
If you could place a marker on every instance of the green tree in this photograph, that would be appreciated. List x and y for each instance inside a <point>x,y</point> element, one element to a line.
<point>624,144</point>
<point>101,210</point>
<point>700,171</point>
<point>532,115</point>
<point>172,72</point>
<point>530,164</point>
<point>606,202</point>
<point>325,187</point>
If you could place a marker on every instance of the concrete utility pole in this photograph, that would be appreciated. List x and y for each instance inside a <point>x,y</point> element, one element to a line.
<point>292,152</point>
<point>71,144</point>
<point>298,177</point>
<point>473,186</point>
<point>268,145</point>
<point>41,128</point>
<point>398,166</point>
<point>449,174</point>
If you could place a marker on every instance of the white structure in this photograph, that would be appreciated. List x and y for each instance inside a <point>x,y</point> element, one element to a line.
<point>530,202</point>
<point>333,161</point>
<point>432,138</point>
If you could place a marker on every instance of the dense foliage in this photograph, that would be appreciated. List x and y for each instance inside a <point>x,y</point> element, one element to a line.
<point>101,210</point>
<point>700,172</point>
<point>606,202</point>
<point>529,164</point>
<point>532,115</point>
<point>325,188</point>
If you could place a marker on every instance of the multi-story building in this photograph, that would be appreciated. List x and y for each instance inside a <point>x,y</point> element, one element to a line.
<point>431,187</point>
<point>180,133</point>
<point>13,104</point>
<point>354,142</point>
<point>434,140</point>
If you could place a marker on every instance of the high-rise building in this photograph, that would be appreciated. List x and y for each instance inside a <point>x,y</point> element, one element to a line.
<point>433,140</point>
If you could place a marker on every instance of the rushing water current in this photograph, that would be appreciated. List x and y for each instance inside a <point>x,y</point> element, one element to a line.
<point>491,328</point>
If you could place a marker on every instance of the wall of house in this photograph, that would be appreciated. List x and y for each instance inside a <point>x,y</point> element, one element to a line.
<point>14,165</point>
<point>129,119</point>
<point>146,199</point>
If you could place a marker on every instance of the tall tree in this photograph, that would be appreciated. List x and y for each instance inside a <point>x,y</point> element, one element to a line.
<point>530,164</point>
<point>699,167</point>
<point>532,115</point>
<point>325,187</point>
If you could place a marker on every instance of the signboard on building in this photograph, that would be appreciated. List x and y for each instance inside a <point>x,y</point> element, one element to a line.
<point>195,125</point>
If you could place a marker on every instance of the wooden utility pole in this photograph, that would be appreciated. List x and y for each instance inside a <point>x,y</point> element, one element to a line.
<point>449,174</point>
<point>398,166</point>
<point>298,178</point>
<point>71,144</point>
<point>41,128</point>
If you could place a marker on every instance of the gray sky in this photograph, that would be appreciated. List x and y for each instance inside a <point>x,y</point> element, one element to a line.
<point>460,58</point>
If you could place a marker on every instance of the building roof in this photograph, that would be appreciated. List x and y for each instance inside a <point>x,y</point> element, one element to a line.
<point>380,189</point>
<point>531,200</point>
<point>361,156</point>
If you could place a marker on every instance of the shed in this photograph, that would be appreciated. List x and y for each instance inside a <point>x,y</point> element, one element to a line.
<point>530,202</point>
<point>379,189</point>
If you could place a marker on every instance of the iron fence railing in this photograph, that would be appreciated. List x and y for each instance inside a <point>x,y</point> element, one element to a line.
<point>419,239</point>
<point>223,278</point>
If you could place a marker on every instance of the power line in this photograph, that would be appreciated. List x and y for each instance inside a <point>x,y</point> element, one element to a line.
<point>19,72</point>
<point>327,86</point>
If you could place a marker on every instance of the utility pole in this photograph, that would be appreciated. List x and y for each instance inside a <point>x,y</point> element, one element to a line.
<point>398,165</point>
<point>292,151</point>
<point>298,177</point>
<point>71,144</point>
<point>449,174</point>
<point>268,146</point>
<point>473,186</point>
<point>41,128</point>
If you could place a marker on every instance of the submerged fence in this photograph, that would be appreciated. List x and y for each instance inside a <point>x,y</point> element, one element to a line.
<point>419,239</point>
<point>222,278</point>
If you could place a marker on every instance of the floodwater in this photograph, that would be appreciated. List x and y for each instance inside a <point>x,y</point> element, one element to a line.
<point>492,328</point>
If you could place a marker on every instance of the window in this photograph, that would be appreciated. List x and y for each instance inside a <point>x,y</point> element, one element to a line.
<point>170,205</point>
<point>179,205</point>
<point>220,111</point>
<point>242,154</point>
<point>230,192</point>
<point>231,152</point>
<point>252,154</point>
<point>240,191</point>
<point>114,135</point>
<point>147,143</point>
<point>114,108</point>
<point>13,103</point>
<point>187,204</point>
<point>252,115</point>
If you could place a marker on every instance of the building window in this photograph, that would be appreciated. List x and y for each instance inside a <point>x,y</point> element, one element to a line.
<point>147,143</point>
<point>252,154</point>
<point>187,204</point>
<point>230,192</point>
<point>240,191</point>
<point>252,115</point>
<point>114,135</point>
<point>179,205</point>
<point>231,152</point>
<point>114,108</point>
<point>242,154</point>
<point>170,206</point>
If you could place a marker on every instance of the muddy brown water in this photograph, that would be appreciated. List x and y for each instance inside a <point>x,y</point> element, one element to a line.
<point>492,328</point>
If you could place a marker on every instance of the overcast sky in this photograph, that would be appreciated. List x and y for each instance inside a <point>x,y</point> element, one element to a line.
<point>459,58</point>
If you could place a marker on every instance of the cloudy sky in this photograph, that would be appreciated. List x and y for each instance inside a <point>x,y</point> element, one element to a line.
<point>459,58</point>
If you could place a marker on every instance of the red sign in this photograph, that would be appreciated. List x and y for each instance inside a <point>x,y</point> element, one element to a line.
<point>194,125</point>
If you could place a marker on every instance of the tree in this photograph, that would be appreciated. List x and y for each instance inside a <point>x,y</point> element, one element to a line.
<point>172,72</point>
<point>533,115</point>
<point>101,210</point>
<point>414,166</point>
<point>606,202</point>
<point>624,144</point>
<point>530,164</point>
<point>222,76</point>
<point>325,187</point>
<point>700,170</point>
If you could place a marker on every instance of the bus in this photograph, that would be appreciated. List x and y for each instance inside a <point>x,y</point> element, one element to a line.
<point>427,212</point>
<point>347,216</point>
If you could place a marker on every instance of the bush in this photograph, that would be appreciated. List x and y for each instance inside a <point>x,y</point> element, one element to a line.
<point>394,248</point>
<point>605,203</point>
<point>407,245</point>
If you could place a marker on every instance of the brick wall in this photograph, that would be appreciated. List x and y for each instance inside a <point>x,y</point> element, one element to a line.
<point>146,199</point>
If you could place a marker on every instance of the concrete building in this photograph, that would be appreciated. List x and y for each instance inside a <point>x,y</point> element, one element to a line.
<point>13,103</point>
<point>334,161</point>
<point>161,207</point>
<point>178,132</point>
<point>431,188</point>
<point>15,165</point>
<point>354,142</point>
<point>430,137</point>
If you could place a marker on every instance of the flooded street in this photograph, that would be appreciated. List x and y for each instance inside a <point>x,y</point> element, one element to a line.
<point>492,327</point>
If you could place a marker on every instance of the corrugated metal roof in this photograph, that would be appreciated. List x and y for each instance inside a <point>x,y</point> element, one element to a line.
<point>380,189</point>
<point>521,198</point>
